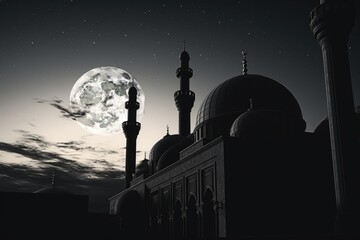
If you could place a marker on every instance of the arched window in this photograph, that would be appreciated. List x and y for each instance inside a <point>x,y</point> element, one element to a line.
<point>165,226</point>
<point>209,215</point>
<point>178,221</point>
<point>192,218</point>
<point>154,215</point>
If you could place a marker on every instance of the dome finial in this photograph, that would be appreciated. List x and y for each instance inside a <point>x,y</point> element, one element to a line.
<point>53,179</point>
<point>145,155</point>
<point>251,104</point>
<point>244,62</point>
<point>167,129</point>
<point>184,44</point>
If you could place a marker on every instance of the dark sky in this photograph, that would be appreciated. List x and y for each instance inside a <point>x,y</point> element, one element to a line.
<point>45,46</point>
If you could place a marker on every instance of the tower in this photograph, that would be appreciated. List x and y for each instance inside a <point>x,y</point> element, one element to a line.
<point>131,129</point>
<point>331,23</point>
<point>184,98</point>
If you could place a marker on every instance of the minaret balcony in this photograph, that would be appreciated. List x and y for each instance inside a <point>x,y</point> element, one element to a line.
<point>134,105</point>
<point>131,128</point>
<point>184,99</point>
<point>332,20</point>
<point>184,93</point>
<point>184,72</point>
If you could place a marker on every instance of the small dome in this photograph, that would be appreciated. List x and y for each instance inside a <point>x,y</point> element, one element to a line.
<point>142,168</point>
<point>231,98</point>
<point>266,124</point>
<point>160,147</point>
<point>128,203</point>
<point>53,190</point>
<point>172,155</point>
<point>322,130</point>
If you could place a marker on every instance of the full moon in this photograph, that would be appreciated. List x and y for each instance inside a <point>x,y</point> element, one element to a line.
<point>97,100</point>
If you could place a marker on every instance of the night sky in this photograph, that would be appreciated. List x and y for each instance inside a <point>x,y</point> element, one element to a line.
<point>45,46</point>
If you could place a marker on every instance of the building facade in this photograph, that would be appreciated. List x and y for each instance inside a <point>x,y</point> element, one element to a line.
<point>249,168</point>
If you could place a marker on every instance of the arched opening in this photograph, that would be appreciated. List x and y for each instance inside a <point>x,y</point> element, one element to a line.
<point>165,219</point>
<point>131,215</point>
<point>192,218</point>
<point>165,226</point>
<point>154,228</point>
<point>178,221</point>
<point>209,215</point>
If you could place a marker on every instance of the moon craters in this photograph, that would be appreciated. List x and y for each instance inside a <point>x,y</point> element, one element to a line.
<point>100,94</point>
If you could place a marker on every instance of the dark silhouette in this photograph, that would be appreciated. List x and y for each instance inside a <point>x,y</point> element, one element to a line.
<point>243,173</point>
<point>131,129</point>
<point>331,23</point>
<point>253,172</point>
<point>184,98</point>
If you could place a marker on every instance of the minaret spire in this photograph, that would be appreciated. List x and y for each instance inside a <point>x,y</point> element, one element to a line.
<point>244,62</point>
<point>331,23</point>
<point>184,98</point>
<point>131,129</point>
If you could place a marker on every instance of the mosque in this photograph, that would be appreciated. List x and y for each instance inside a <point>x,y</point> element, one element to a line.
<point>249,168</point>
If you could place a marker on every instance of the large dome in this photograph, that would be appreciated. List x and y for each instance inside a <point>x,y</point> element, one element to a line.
<point>231,98</point>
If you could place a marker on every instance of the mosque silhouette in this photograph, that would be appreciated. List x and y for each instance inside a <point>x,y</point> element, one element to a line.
<point>249,170</point>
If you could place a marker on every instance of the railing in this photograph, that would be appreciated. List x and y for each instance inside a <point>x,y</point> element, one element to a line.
<point>184,92</point>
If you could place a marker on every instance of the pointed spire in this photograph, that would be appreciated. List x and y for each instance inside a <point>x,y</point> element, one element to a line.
<point>184,43</point>
<point>145,155</point>
<point>244,62</point>
<point>132,82</point>
<point>167,130</point>
<point>53,179</point>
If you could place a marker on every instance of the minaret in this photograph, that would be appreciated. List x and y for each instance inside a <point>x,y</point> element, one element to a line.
<point>184,98</point>
<point>331,23</point>
<point>131,129</point>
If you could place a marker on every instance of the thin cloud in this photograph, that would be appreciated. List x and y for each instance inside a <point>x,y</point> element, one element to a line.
<point>65,111</point>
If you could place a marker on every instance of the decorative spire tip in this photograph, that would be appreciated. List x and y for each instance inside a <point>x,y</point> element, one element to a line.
<point>167,129</point>
<point>184,45</point>
<point>251,104</point>
<point>244,62</point>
